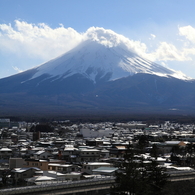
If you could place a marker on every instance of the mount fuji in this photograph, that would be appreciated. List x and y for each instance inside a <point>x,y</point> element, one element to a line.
<point>101,74</point>
<point>96,62</point>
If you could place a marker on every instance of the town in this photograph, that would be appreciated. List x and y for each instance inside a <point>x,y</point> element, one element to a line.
<point>63,151</point>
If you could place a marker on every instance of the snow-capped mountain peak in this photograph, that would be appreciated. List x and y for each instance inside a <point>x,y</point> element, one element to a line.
<point>103,55</point>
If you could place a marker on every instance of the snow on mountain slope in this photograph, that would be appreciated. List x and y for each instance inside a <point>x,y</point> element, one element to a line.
<point>105,56</point>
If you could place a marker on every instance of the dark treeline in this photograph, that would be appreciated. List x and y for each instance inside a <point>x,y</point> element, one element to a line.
<point>138,176</point>
<point>93,118</point>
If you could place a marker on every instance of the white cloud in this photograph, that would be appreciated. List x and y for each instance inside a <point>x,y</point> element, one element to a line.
<point>152,36</point>
<point>39,41</point>
<point>110,39</point>
<point>168,52</point>
<point>189,43</point>
<point>188,32</point>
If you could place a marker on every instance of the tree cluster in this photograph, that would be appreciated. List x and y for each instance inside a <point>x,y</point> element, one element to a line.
<point>138,176</point>
<point>184,156</point>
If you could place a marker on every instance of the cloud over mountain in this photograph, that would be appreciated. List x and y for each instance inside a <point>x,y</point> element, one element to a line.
<point>40,41</point>
<point>37,41</point>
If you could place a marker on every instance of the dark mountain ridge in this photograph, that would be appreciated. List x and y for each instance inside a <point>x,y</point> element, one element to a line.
<point>137,93</point>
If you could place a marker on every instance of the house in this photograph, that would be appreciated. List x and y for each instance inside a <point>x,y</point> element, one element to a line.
<point>62,168</point>
<point>54,174</point>
<point>69,153</point>
<point>117,150</point>
<point>105,153</point>
<point>88,167</point>
<point>106,171</point>
<point>88,154</point>
<point>94,142</point>
<point>51,177</point>
<point>92,133</point>
<point>180,173</point>
<point>5,153</point>
<point>41,164</point>
<point>40,180</point>
<point>167,146</point>
<point>73,176</point>
<point>42,155</point>
<point>32,150</point>
<point>23,173</point>
<point>16,163</point>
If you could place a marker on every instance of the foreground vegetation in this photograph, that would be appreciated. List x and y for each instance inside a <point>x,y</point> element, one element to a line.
<point>138,176</point>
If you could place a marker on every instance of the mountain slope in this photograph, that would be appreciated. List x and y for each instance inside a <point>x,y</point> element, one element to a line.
<point>99,62</point>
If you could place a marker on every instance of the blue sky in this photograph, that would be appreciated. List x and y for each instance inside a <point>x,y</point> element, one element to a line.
<point>33,32</point>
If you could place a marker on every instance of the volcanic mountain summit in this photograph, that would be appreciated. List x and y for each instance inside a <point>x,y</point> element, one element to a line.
<point>95,61</point>
<point>100,74</point>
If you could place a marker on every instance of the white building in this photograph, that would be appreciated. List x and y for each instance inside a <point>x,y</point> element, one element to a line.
<point>88,167</point>
<point>91,133</point>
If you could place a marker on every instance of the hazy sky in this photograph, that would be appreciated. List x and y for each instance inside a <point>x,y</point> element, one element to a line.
<point>34,31</point>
